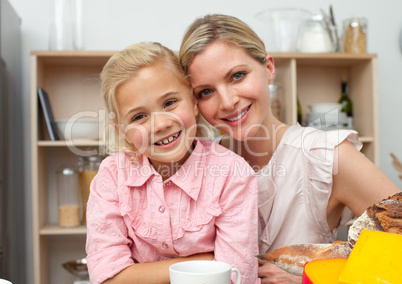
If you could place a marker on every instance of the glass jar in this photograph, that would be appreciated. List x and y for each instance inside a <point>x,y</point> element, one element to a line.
<point>68,197</point>
<point>89,168</point>
<point>66,25</point>
<point>354,39</point>
<point>314,36</point>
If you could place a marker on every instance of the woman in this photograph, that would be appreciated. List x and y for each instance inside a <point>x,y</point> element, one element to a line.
<point>318,179</point>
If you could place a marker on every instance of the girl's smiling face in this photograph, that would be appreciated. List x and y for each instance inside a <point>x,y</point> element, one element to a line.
<point>232,89</point>
<point>158,113</point>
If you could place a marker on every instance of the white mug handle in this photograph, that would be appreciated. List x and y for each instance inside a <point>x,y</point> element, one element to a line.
<point>238,276</point>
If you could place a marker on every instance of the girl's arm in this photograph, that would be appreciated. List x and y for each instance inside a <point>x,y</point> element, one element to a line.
<point>236,239</point>
<point>152,272</point>
<point>357,183</point>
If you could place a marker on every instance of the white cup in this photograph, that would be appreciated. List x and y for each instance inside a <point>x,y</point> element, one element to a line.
<point>4,281</point>
<point>202,272</point>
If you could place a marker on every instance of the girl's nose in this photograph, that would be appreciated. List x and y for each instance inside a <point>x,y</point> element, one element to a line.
<point>161,121</point>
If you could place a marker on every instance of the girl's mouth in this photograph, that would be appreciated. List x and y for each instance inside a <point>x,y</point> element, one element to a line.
<point>168,140</point>
<point>239,116</point>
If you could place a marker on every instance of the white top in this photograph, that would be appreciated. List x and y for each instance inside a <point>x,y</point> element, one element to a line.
<point>295,186</point>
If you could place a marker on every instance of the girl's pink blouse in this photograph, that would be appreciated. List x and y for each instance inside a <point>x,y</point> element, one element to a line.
<point>210,204</point>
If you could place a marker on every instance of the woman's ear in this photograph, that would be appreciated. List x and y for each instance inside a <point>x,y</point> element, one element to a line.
<point>270,65</point>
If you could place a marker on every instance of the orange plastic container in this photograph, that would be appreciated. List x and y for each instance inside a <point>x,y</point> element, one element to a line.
<point>323,271</point>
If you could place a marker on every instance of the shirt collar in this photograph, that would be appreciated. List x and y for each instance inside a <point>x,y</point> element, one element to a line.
<point>140,170</point>
<point>189,177</point>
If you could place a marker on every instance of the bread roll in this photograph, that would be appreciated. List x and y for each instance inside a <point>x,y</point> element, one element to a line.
<point>385,216</point>
<point>292,258</point>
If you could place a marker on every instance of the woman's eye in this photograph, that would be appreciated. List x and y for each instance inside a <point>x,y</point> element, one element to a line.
<point>168,103</point>
<point>138,117</point>
<point>204,93</point>
<point>238,75</point>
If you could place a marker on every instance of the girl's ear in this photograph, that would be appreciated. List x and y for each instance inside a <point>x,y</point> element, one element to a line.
<point>120,129</point>
<point>270,65</point>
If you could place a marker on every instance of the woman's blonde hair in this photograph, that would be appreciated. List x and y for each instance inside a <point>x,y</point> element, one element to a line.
<point>123,66</point>
<point>210,28</point>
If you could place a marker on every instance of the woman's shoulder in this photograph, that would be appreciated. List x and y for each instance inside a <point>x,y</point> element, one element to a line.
<point>310,151</point>
<point>310,138</point>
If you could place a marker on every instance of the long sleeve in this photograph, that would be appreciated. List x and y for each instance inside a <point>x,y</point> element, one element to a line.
<point>237,227</point>
<point>107,246</point>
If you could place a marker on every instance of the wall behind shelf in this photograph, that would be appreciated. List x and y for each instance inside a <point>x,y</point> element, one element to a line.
<point>111,25</point>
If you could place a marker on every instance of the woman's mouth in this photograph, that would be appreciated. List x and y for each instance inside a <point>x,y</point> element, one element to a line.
<point>168,140</point>
<point>239,116</point>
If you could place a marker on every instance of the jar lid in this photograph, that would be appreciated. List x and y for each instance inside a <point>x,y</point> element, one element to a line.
<point>95,158</point>
<point>355,22</point>
<point>67,171</point>
<point>317,18</point>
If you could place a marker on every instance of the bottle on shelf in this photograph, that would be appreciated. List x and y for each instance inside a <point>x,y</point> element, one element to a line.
<point>299,113</point>
<point>347,105</point>
<point>275,90</point>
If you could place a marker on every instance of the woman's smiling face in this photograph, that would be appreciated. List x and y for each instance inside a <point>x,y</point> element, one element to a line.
<point>232,89</point>
<point>159,114</point>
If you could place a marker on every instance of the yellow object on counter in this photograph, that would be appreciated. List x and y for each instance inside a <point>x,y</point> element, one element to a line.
<point>376,258</point>
<point>323,271</point>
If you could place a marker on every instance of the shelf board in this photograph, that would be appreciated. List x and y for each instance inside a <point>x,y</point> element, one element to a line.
<point>324,55</point>
<point>366,139</point>
<point>323,59</point>
<point>64,143</point>
<point>70,58</point>
<point>54,229</point>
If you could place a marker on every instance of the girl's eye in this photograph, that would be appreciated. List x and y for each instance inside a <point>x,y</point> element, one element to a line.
<point>138,117</point>
<point>204,93</point>
<point>238,75</point>
<point>168,103</point>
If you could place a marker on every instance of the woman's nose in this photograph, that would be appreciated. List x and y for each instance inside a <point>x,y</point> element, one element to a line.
<point>229,99</point>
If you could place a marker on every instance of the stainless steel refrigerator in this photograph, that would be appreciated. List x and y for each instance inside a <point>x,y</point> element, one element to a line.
<point>12,204</point>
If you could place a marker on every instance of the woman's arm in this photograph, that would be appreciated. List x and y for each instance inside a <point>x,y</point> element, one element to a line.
<point>152,272</point>
<point>272,274</point>
<point>357,183</point>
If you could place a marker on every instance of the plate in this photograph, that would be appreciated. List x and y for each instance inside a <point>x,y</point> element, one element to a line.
<point>77,267</point>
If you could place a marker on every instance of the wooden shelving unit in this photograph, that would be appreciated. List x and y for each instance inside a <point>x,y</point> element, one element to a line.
<point>72,82</point>
<point>316,78</point>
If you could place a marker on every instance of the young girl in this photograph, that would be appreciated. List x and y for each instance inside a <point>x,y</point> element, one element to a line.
<point>166,196</point>
<point>310,181</point>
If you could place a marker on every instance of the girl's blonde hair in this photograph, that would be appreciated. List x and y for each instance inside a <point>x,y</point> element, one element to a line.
<point>228,29</point>
<point>123,66</point>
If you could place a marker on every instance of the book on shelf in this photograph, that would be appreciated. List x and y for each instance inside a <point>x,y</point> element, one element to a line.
<point>48,114</point>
